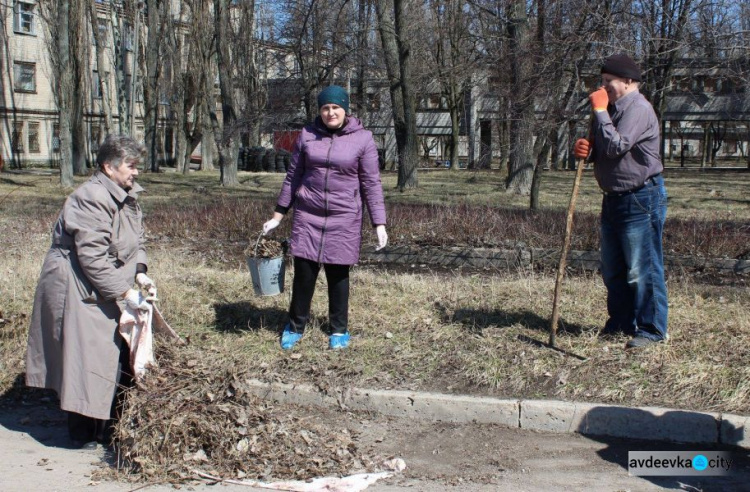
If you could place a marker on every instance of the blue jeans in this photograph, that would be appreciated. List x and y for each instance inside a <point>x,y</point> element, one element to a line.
<point>632,260</point>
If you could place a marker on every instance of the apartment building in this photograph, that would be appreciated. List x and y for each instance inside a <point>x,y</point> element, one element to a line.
<point>28,131</point>
<point>705,104</point>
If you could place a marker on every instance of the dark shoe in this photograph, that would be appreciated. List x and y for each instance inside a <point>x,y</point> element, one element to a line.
<point>612,329</point>
<point>289,338</point>
<point>86,446</point>
<point>640,342</point>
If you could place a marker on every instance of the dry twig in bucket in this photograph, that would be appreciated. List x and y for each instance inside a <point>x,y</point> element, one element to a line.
<point>265,247</point>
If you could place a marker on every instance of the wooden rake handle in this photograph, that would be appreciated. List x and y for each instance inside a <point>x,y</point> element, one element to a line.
<point>580,164</point>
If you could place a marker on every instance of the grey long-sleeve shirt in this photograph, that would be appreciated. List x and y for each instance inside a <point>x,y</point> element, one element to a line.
<point>626,144</point>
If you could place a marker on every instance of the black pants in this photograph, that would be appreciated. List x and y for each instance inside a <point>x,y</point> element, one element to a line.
<point>303,288</point>
<point>85,429</point>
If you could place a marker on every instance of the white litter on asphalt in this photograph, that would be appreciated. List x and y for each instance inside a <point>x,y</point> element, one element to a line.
<point>352,483</point>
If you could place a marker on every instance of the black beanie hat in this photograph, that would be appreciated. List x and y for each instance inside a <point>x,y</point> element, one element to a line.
<point>623,66</point>
<point>333,94</point>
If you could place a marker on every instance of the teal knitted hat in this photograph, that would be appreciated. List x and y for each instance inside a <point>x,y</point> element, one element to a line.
<point>333,94</point>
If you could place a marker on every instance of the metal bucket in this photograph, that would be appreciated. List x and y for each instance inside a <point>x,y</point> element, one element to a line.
<point>267,275</point>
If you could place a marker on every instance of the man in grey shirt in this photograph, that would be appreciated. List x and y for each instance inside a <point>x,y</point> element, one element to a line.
<point>624,146</point>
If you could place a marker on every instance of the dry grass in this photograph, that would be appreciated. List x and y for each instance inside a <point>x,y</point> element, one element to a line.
<point>461,332</point>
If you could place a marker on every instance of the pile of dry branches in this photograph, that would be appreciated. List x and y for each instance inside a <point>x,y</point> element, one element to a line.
<point>266,247</point>
<point>193,412</point>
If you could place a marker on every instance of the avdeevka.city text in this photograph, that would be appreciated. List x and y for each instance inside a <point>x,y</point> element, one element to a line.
<point>679,463</point>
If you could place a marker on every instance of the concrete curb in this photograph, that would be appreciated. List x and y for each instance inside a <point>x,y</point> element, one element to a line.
<point>652,423</point>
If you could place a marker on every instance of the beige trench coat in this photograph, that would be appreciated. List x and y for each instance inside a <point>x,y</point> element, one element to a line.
<point>73,344</point>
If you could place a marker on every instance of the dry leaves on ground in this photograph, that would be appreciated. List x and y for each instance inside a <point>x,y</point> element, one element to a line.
<point>194,412</point>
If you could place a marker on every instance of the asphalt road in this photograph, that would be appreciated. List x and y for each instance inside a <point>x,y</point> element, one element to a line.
<point>35,456</point>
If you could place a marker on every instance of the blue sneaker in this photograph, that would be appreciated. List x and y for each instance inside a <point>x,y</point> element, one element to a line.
<point>289,338</point>
<point>339,340</point>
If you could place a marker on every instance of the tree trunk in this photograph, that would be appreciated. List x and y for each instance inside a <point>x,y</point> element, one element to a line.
<point>541,149</point>
<point>454,137</point>
<point>398,66</point>
<point>79,56</point>
<point>100,64</point>
<point>65,89</point>
<point>407,171</point>
<point>79,140</point>
<point>151,87</point>
<point>208,139</point>
<point>520,164</point>
<point>119,66</point>
<point>384,11</point>
<point>226,134</point>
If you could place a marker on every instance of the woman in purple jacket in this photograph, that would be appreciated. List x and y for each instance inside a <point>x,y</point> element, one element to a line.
<point>332,173</point>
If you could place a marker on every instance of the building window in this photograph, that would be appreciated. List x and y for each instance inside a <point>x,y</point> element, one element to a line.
<point>684,84</point>
<point>34,137</point>
<point>373,101</point>
<point>96,136</point>
<point>23,18</point>
<point>281,69</point>
<point>96,86</point>
<point>55,137</point>
<point>101,34</point>
<point>128,34</point>
<point>168,141</point>
<point>16,138</point>
<point>129,89</point>
<point>24,77</point>
<point>103,27</point>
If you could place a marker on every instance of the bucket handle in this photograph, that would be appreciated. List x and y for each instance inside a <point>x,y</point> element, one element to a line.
<point>255,249</point>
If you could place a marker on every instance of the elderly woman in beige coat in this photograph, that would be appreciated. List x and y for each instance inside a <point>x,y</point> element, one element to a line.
<point>96,257</point>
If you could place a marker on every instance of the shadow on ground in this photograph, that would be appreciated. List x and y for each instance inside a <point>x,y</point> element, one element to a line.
<point>477,320</point>
<point>236,317</point>
<point>658,428</point>
<point>35,412</point>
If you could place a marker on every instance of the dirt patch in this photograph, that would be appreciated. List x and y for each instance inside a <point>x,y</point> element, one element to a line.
<point>438,456</point>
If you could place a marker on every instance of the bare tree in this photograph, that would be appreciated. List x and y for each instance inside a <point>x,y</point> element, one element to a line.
<point>100,41</point>
<point>394,35</point>
<point>119,40</point>
<point>251,79</point>
<point>65,82</point>
<point>455,59</point>
<point>320,46</point>
<point>68,50</point>
<point>521,163</point>
<point>186,31</point>
<point>154,39</point>
<point>226,133</point>
<point>665,25</point>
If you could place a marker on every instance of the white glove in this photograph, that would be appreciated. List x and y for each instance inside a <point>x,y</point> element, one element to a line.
<point>145,282</point>
<point>270,225</point>
<point>134,300</point>
<point>382,237</point>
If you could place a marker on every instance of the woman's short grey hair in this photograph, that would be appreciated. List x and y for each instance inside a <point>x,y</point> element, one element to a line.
<point>118,148</point>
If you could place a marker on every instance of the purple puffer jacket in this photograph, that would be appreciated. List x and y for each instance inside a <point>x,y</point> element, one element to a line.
<point>330,177</point>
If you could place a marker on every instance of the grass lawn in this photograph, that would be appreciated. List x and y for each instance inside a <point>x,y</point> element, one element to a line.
<point>471,332</point>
